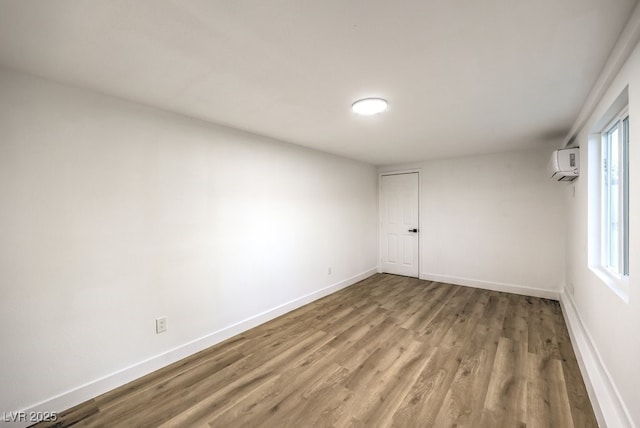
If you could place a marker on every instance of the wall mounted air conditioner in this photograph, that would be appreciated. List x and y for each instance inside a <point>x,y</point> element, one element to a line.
<point>565,164</point>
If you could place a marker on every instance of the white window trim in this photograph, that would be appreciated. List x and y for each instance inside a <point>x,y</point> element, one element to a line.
<point>617,120</point>
<point>619,285</point>
<point>617,282</point>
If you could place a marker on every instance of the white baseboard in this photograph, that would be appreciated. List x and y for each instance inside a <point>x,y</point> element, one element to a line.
<point>605,399</point>
<point>97,387</point>
<point>494,286</point>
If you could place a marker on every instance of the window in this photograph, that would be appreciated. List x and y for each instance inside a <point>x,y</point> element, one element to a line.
<point>614,199</point>
<point>608,197</point>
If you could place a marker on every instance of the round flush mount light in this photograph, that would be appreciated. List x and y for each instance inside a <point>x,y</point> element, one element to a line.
<point>369,106</point>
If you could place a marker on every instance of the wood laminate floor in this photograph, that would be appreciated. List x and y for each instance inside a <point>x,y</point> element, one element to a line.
<point>388,351</point>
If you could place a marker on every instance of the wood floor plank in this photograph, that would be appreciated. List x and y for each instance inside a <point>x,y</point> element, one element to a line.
<point>379,361</point>
<point>322,396</point>
<point>383,405</point>
<point>581,409</point>
<point>446,316</point>
<point>560,407</point>
<point>388,351</point>
<point>505,404</point>
<point>358,330</point>
<point>412,303</point>
<point>516,322</point>
<point>542,337</point>
<point>428,393</point>
<point>355,324</point>
<point>181,378</point>
<point>464,401</point>
<point>377,385</point>
<point>223,398</point>
<point>361,350</point>
<point>279,393</point>
<point>547,399</point>
<point>438,295</point>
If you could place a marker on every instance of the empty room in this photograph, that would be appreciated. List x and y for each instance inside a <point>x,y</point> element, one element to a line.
<point>319,213</point>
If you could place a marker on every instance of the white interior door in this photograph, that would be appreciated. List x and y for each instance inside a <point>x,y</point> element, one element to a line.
<point>399,202</point>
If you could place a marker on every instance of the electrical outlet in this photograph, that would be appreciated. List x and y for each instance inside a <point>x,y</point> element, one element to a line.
<point>329,271</point>
<point>161,325</point>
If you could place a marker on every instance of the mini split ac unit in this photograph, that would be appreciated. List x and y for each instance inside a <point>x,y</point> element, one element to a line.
<point>565,164</point>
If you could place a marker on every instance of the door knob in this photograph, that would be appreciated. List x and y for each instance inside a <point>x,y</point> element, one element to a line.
<point>413,230</point>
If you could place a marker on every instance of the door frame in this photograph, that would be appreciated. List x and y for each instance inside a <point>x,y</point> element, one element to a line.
<point>398,172</point>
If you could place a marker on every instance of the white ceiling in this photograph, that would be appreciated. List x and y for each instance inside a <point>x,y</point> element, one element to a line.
<point>461,76</point>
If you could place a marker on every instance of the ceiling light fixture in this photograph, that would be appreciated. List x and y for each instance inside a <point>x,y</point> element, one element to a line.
<point>369,106</point>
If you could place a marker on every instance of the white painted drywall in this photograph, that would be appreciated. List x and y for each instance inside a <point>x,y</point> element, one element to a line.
<point>609,322</point>
<point>493,221</point>
<point>113,214</point>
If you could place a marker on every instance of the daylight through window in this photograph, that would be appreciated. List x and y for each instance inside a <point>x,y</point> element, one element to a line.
<point>615,196</point>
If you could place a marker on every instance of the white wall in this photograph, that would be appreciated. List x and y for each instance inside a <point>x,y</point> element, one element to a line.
<point>608,323</point>
<point>492,221</point>
<point>112,214</point>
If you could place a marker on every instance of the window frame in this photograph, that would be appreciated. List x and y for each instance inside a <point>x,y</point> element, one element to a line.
<point>617,282</point>
<point>619,107</point>
<point>620,122</point>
